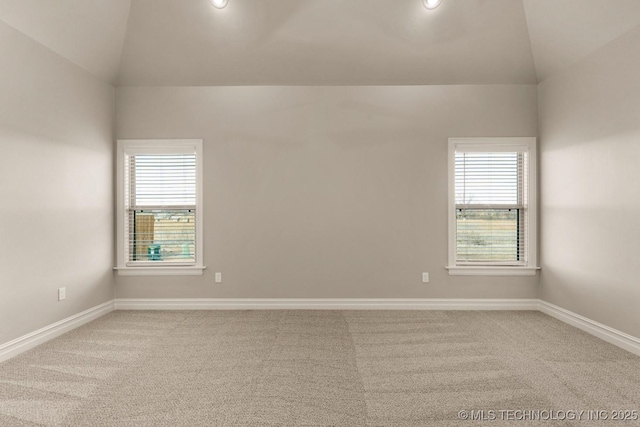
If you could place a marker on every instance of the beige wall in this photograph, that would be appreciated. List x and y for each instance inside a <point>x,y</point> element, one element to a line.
<point>56,221</point>
<point>326,192</point>
<point>590,157</point>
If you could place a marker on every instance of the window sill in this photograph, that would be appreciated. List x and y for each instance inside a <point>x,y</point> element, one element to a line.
<point>492,271</point>
<point>160,271</point>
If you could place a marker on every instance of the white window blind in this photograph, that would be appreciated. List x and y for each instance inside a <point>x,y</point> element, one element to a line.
<point>490,207</point>
<point>161,209</point>
<point>492,212</point>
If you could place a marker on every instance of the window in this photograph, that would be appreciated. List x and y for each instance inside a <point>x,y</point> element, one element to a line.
<point>159,207</point>
<point>492,206</point>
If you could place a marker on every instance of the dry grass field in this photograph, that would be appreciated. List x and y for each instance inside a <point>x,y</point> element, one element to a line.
<point>484,235</point>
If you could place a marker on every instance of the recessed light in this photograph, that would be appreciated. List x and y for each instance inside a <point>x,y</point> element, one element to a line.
<point>219,3</point>
<point>431,4</point>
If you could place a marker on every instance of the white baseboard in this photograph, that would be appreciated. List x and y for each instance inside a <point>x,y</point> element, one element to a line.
<point>323,304</point>
<point>28,341</point>
<point>604,332</point>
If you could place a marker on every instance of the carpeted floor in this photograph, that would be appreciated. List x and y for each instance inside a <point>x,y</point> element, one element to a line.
<point>319,368</point>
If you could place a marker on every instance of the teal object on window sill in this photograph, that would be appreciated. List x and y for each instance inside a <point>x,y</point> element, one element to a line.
<point>153,253</point>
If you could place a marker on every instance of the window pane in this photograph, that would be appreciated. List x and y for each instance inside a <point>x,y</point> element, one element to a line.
<point>490,235</point>
<point>163,235</point>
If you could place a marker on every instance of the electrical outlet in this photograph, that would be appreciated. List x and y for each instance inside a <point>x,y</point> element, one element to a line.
<point>62,293</point>
<point>218,277</point>
<point>425,277</point>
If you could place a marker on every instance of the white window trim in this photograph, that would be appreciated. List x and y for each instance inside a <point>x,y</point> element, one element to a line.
<point>157,145</point>
<point>495,144</point>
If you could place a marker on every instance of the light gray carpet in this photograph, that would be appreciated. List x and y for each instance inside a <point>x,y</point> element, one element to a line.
<point>342,368</point>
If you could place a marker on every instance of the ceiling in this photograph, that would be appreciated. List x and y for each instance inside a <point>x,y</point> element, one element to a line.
<point>564,31</point>
<point>89,33</point>
<point>321,42</point>
<point>330,42</point>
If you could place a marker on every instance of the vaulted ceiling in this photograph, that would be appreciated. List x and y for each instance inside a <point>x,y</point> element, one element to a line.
<point>89,33</point>
<point>321,42</point>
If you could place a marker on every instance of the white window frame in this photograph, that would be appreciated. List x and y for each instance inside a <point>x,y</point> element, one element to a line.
<point>140,146</point>
<point>488,145</point>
